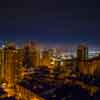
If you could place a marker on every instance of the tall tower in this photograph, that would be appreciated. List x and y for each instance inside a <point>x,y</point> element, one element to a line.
<point>31,55</point>
<point>35,53</point>
<point>82,52</point>
<point>46,58</point>
<point>19,66</point>
<point>9,68</point>
<point>82,57</point>
<point>1,64</point>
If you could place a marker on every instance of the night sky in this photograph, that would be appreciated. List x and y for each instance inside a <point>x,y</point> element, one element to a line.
<point>51,21</point>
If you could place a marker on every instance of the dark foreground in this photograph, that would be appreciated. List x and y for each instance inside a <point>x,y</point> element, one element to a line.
<point>55,91</point>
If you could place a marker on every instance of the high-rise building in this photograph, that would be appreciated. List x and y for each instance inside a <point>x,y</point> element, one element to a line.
<point>82,52</point>
<point>35,54</point>
<point>19,67</point>
<point>46,58</point>
<point>82,57</point>
<point>31,55</point>
<point>1,64</point>
<point>9,68</point>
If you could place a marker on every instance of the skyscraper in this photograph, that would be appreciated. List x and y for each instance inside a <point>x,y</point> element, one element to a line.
<point>82,57</point>
<point>1,64</point>
<point>9,67</point>
<point>46,58</point>
<point>31,55</point>
<point>19,60</point>
<point>82,52</point>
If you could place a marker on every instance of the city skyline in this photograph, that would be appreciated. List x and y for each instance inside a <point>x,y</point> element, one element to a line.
<point>64,47</point>
<point>49,50</point>
<point>57,49</point>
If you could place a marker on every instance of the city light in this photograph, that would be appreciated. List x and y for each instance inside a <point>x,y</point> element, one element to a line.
<point>21,65</point>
